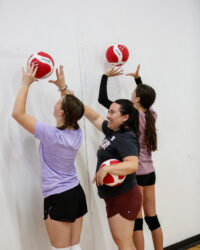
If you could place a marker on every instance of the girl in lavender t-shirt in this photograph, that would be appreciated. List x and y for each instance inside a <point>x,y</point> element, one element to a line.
<point>143,97</point>
<point>64,198</point>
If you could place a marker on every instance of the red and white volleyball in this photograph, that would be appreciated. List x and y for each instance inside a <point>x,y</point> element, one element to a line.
<point>44,62</point>
<point>112,179</point>
<point>117,54</point>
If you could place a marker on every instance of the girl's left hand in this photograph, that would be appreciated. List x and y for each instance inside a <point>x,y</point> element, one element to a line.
<point>60,81</point>
<point>28,76</point>
<point>100,175</point>
<point>136,73</point>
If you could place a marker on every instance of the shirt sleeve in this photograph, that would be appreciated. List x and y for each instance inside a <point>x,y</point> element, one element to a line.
<point>103,95</point>
<point>105,129</point>
<point>127,145</point>
<point>45,133</point>
<point>138,80</point>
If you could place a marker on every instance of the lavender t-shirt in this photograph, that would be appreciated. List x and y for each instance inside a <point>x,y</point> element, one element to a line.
<point>145,160</point>
<point>58,149</point>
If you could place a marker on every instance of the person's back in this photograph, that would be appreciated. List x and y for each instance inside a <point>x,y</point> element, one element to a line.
<point>64,199</point>
<point>58,149</point>
<point>145,157</point>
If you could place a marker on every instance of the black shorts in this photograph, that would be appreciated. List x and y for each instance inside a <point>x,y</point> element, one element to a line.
<point>66,206</point>
<point>146,179</point>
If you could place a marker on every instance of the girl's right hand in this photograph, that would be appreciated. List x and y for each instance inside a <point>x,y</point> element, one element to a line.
<point>60,81</point>
<point>28,76</point>
<point>114,72</point>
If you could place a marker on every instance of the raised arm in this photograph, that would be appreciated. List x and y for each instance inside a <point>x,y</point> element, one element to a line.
<point>60,82</point>
<point>95,118</point>
<point>103,95</point>
<point>19,110</point>
<point>136,75</point>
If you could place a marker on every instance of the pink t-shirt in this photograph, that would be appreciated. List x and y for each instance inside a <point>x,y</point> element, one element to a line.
<point>145,159</point>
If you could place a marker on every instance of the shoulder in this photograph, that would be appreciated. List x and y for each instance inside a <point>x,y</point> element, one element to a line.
<point>42,127</point>
<point>154,113</point>
<point>105,129</point>
<point>46,133</point>
<point>127,144</point>
<point>127,135</point>
<point>127,138</point>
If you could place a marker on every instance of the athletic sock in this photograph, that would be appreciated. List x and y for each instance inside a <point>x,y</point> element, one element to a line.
<point>65,248</point>
<point>75,247</point>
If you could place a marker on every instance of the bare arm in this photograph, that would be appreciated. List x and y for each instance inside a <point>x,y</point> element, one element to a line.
<point>95,118</point>
<point>19,110</point>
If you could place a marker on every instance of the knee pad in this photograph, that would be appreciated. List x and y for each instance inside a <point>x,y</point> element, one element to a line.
<point>152,222</point>
<point>138,224</point>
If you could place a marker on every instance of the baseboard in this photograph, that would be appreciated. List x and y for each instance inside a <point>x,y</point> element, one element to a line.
<point>185,244</point>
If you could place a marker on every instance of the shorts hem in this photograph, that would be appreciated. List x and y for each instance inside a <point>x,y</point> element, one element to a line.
<point>64,220</point>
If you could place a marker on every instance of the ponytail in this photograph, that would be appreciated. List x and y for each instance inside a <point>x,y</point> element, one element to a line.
<point>150,131</point>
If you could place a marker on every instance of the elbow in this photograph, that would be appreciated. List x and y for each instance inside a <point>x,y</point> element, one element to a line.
<point>16,116</point>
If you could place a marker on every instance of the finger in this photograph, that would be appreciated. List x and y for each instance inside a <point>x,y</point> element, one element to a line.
<point>94,180</point>
<point>98,182</point>
<point>35,71</point>
<point>138,68</point>
<point>112,70</point>
<point>61,71</point>
<point>52,81</point>
<point>120,71</point>
<point>27,67</point>
<point>57,73</point>
<point>129,74</point>
<point>23,72</point>
<point>32,67</point>
<point>101,181</point>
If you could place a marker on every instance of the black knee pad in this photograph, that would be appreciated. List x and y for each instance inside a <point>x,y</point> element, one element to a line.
<point>138,224</point>
<point>152,222</point>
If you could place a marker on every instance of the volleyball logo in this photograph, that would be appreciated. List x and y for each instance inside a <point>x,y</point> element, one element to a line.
<point>44,62</point>
<point>117,54</point>
<point>112,179</point>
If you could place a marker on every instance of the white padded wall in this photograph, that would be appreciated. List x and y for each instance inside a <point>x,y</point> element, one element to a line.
<point>164,37</point>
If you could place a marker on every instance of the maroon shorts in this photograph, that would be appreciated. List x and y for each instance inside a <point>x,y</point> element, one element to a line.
<point>127,204</point>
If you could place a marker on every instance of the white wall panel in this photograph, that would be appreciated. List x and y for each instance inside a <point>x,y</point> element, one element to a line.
<point>164,37</point>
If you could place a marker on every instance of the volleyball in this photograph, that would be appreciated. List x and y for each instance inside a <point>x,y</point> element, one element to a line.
<point>44,62</point>
<point>112,179</point>
<point>117,54</point>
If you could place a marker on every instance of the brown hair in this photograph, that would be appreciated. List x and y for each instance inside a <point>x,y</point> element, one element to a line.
<point>73,111</point>
<point>126,107</point>
<point>147,97</point>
